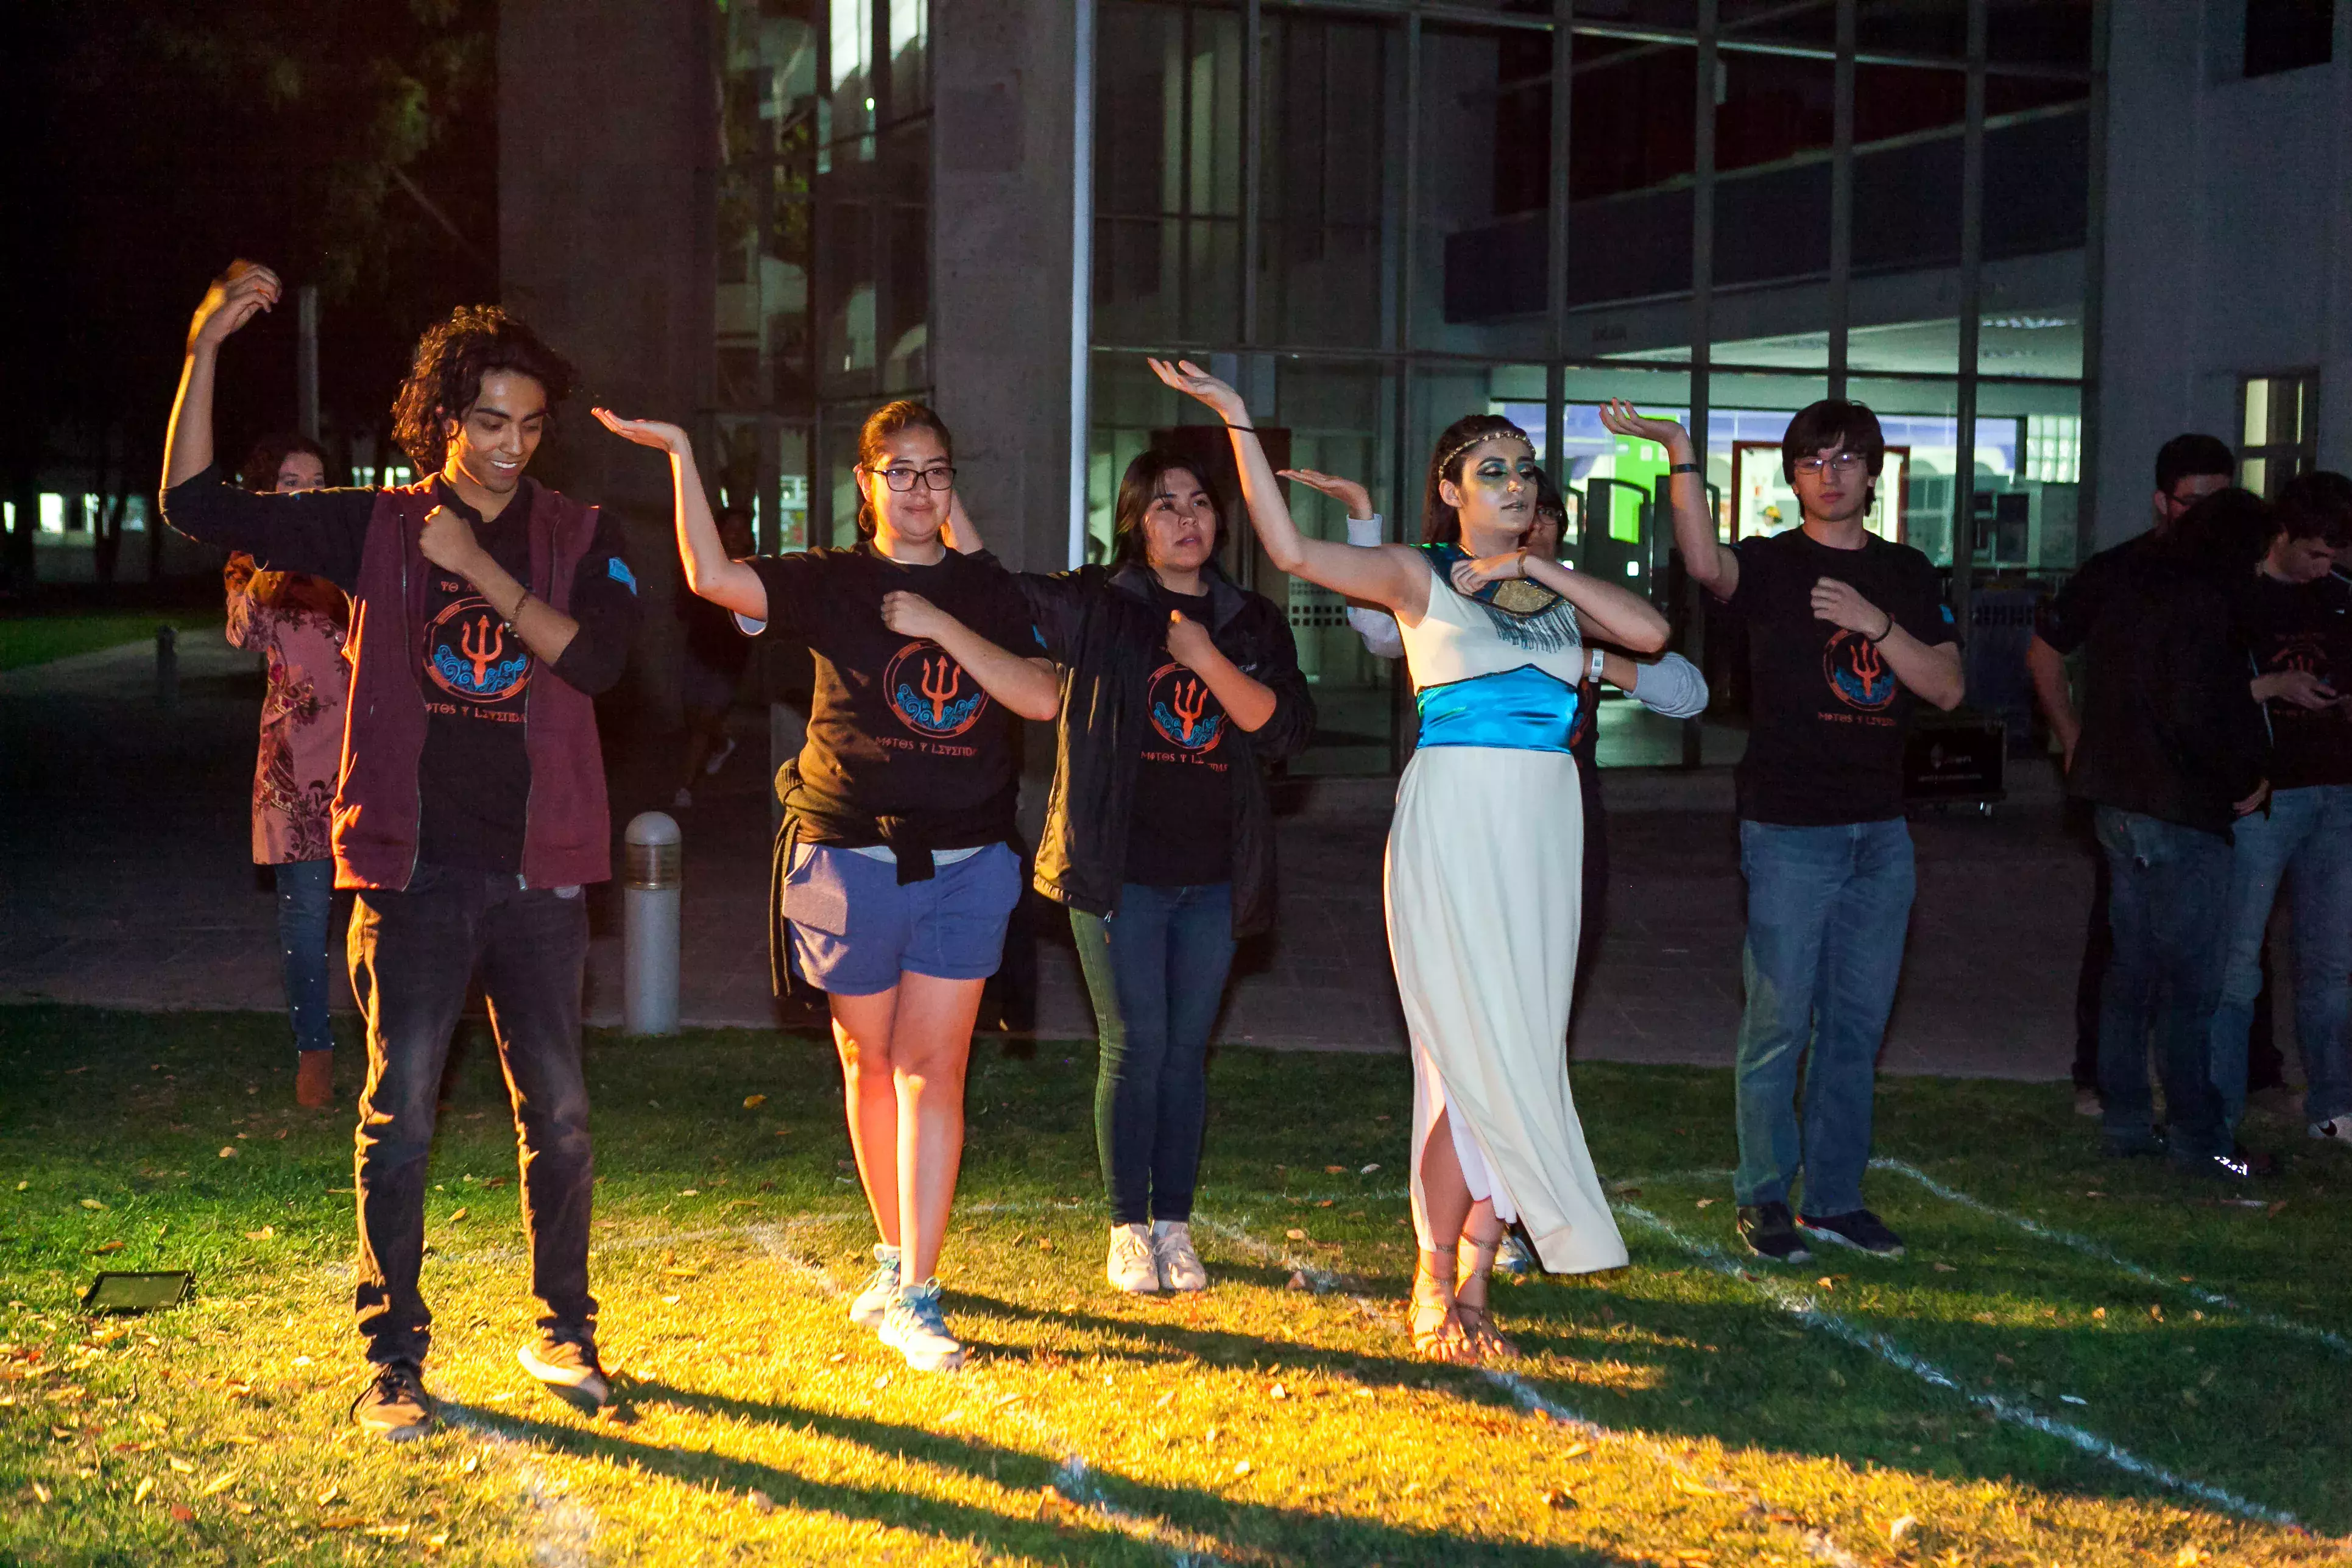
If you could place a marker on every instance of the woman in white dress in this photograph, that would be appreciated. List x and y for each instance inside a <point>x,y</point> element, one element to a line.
<point>1482,894</point>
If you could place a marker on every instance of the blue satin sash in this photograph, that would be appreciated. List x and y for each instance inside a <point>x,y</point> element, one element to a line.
<point>1522,710</point>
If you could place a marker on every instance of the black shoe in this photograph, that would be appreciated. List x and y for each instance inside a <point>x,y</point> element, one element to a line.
<point>394,1405</point>
<point>1769,1233</point>
<point>570,1370</point>
<point>2240,1165</point>
<point>1861,1229</point>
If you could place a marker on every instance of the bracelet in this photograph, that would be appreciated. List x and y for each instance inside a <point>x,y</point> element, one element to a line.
<point>1882,636</point>
<point>517,614</point>
<point>1683,468</point>
<point>1231,426</point>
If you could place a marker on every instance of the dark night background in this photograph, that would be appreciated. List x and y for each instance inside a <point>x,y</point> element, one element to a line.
<point>154,142</point>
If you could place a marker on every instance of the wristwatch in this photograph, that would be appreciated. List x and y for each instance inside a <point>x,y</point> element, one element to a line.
<point>1594,668</point>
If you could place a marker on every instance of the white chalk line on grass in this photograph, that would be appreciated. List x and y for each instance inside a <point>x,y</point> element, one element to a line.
<point>2090,1248</point>
<point>562,1530</point>
<point>1525,1395</point>
<point>1809,1310</point>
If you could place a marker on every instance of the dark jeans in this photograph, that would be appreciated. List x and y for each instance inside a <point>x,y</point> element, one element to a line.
<point>2266,1067</point>
<point>1828,909</point>
<point>2167,905</point>
<point>306,891</point>
<point>1156,970</point>
<point>412,954</point>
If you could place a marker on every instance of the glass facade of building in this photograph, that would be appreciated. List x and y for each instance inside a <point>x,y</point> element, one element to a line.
<point>823,248</point>
<point>1374,218</point>
<point>1375,215</point>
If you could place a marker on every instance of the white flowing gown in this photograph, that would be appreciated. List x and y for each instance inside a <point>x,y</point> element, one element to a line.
<point>1483,892</point>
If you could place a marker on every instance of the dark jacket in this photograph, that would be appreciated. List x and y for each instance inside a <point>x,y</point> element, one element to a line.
<point>2170,729</point>
<point>1099,624</point>
<point>567,829</point>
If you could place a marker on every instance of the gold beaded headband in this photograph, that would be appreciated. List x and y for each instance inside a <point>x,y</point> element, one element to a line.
<point>1508,429</point>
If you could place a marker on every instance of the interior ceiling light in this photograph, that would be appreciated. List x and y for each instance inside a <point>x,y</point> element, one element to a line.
<point>2028,323</point>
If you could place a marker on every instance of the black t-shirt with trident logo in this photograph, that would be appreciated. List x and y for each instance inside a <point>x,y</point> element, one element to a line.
<point>1826,716</point>
<point>1181,824</point>
<point>899,733</point>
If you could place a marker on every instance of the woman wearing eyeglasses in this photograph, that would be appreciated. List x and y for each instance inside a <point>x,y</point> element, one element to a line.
<point>1482,894</point>
<point>895,870</point>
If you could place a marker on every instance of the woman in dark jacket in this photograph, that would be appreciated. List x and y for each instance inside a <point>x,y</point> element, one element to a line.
<point>1176,685</point>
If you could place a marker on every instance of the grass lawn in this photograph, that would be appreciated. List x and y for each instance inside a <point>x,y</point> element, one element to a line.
<point>2080,1363</point>
<point>38,638</point>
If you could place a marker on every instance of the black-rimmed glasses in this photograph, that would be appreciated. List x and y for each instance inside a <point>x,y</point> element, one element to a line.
<point>940,478</point>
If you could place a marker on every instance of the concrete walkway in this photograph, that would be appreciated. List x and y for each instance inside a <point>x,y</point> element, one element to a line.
<point>125,881</point>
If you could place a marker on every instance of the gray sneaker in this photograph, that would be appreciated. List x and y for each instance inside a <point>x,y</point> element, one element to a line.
<point>916,1329</point>
<point>874,1302</point>
<point>394,1405</point>
<point>570,1371</point>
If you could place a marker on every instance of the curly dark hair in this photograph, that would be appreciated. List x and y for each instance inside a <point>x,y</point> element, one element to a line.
<point>1440,523</point>
<point>445,378</point>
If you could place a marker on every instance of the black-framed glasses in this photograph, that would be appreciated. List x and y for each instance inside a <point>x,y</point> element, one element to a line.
<point>939,478</point>
<point>1840,464</point>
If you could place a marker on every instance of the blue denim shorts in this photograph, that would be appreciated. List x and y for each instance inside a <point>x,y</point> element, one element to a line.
<point>855,928</point>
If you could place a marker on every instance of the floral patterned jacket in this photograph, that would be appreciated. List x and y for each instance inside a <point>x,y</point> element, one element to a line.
<point>299,623</point>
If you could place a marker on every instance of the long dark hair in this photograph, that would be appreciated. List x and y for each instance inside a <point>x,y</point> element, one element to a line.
<point>1138,488</point>
<point>904,414</point>
<point>1440,523</point>
<point>444,379</point>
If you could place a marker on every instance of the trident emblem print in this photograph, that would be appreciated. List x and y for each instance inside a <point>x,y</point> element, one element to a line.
<point>481,643</point>
<point>925,688</point>
<point>1184,710</point>
<point>1856,670</point>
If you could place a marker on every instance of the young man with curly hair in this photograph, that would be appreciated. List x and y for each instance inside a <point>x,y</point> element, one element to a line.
<point>469,809</point>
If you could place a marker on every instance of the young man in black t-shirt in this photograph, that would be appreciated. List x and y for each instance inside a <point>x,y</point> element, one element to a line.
<point>2189,468</point>
<point>2297,622</point>
<point>1846,632</point>
<point>470,809</point>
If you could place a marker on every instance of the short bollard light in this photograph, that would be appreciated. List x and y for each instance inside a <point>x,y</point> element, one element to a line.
<point>650,872</point>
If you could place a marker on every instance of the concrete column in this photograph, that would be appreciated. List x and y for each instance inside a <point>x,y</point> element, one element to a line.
<point>606,138</point>
<point>1002,85</point>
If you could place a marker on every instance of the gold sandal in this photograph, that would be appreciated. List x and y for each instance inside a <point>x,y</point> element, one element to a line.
<point>1475,1269</point>
<point>1437,1328</point>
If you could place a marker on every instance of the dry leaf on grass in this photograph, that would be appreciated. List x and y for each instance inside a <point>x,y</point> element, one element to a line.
<point>229,1152</point>
<point>753,1101</point>
<point>107,1246</point>
<point>1296,1235</point>
<point>264,1234</point>
<point>91,1204</point>
<point>146,1485</point>
<point>178,1463</point>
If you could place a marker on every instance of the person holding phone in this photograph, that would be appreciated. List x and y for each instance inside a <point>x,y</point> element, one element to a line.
<point>895,872</point>
<point>2298,618</point>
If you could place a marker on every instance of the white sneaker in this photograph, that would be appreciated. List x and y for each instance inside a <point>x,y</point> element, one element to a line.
<point>916,1329</point>
<point>1132,1266</point>
<point>2335,1130</point>
<point>1172,1247</point>
<point>866,1311</point>
<point>719,758</point>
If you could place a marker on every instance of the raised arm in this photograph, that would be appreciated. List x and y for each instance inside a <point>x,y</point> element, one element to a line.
<point>1387,574</point>
<point>709,575</point>
<point>1712,565</point>
<point>236,297</point>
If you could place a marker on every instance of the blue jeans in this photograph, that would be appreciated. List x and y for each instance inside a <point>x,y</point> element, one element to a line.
<point>412,954</point>
<point>2305,841</point>
<point>1156,970</point>
<point>305,891</point>
<point>1827,909</point>
<point>2170,885</point>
